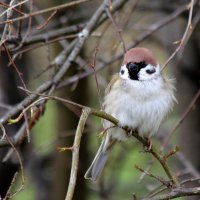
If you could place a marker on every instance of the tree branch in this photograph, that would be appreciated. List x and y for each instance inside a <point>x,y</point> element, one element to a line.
<point>75,154</point>
<point>59,7</point>
<point>177,192</point>
<point>59,75</point>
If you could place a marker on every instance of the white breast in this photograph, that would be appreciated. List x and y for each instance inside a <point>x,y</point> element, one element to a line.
<point>138,105</point>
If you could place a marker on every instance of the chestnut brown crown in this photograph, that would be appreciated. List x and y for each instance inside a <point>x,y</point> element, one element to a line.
<point>138,55</point>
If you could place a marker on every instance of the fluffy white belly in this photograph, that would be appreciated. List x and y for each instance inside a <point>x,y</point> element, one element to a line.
<point>136,111</point>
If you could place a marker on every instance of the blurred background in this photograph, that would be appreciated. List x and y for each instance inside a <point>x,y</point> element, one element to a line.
<point>34,49</point>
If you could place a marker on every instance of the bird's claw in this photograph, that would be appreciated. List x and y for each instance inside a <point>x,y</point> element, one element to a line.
<point>130,132</point>
<point>148,145</point>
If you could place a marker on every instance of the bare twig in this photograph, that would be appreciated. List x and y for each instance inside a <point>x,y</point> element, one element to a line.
<point>119,31</point>
<point>14,66</point>
<point>161,180</point>
<point>187,164</point>
<point>194,23</point>
<point>93,65</point>
<point>5,106</point>
<point>190,180</point>
<point>8,194</point>
<point>18,156</point>
<point>177,192</point>
<point>41,44</point>
<point>148,168</point>
<point>75,154</point>
<point>12,7</point>
<point>185,35</point>
<point>43,37</point>
<point>6,29</point>
<point>183,117</point>
<point>59,7</point>
<point>3,131</point>
<point>47,21</point>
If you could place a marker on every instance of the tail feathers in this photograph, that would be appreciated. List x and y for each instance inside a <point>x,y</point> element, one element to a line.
<point>97,166</point>
<point>100,159</point>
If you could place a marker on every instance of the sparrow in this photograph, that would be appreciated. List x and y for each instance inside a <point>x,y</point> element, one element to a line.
<point>140,97</point>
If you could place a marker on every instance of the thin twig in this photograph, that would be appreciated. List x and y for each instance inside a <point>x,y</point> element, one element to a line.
<point>185,35</point>
<point>93,65</point>
<point>41,44</point>
<point>3,131</point>
<point>177,192</point>
<point>47,21</point>
<point>28,29</point>
<point>8,194</point>
<point>59,7</point>
<point>187,164</point>
<point>148,168</point>
<point>75,153</point>
<point>12,7</point>
<point>7,31</point>
<point>183,117</point>
<point>119,31</point>
<point>19,159</point>
<point>12,121</point>
<point>190,180</point>
<point>5,106</point>
<point>14,66</point>
<point>161,180</point>
<point>194,23</point>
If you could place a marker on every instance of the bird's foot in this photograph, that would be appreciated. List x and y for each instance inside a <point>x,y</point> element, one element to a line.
<point>148,145</point>
<point>130,132</point>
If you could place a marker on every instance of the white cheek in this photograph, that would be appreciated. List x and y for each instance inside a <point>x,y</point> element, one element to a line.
<point>124,72</point>
<point>143,75</point>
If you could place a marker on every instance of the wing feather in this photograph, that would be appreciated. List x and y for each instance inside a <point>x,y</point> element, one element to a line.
<point>115,79</point>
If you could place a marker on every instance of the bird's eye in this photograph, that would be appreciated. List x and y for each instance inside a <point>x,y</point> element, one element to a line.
<point>132,66</point>
<point>151,71</point>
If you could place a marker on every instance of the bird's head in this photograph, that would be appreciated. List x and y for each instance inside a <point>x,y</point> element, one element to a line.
<point>139,64</point>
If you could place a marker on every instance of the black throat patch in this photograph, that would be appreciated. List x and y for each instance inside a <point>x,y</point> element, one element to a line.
<point>134,69</point>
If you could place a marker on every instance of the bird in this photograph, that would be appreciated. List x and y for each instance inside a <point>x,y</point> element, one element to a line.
<point>140,97</point>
